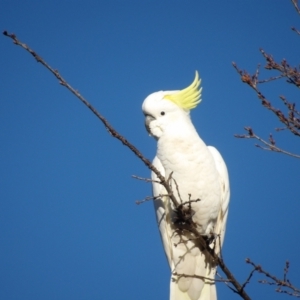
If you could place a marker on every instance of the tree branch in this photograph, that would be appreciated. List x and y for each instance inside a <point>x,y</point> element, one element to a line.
<point>219,261</point>
<point>284,285</point>
<point>109,128</point>
<point>270,146</point>
<point>291,118</point>
<point>295,3</point>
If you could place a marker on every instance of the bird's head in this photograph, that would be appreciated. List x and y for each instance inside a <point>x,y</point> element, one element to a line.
<point>163,109</point>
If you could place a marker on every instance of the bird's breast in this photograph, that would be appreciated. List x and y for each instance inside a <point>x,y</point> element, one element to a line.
<point>194,175</point>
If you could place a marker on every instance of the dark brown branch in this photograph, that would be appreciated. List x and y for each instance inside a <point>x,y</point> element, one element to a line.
<point>219,261</point>
<point>249,276</point>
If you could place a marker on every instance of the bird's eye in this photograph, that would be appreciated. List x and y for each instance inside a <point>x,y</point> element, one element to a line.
<point>162,113</point>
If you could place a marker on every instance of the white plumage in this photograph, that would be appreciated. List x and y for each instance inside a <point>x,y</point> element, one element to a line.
<point>197,172</point>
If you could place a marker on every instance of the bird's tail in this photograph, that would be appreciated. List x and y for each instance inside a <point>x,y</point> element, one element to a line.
<point>200,287</point>
<point>208,292</point>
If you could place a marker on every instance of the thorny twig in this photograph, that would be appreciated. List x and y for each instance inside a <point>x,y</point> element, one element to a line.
<point>284,285</point>
<point>237,288</point>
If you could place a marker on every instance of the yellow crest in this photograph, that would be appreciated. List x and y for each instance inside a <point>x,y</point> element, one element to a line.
<point>189,97</point>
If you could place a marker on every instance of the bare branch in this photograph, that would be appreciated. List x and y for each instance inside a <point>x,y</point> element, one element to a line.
<point>109,128</point>
<point>270,146</point>
<point>145,179</point>
<point>292,73</point>
<point>199,277</point>
<point>150,198</point>
<point>270,79</point>
<point>295,3</point>
<point>291,118</point>
<point>249,276</point>
<point>284,285</point>
<point>296,30</point>
<point>177,189</point>
<point>188,202</point>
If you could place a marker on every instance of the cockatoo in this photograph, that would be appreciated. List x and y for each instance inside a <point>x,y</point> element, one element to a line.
<point>199,180</point>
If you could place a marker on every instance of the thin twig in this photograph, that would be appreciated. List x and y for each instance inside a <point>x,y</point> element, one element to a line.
<point>285,283</point>
<point>296,30</point>
<point>144,179</point>
<point>295,3</point>
<point>188,202</point>
<point>199,277</point>
<point>150,198</point>
<point>270,146</point>
<point>249,278</point>
<point>270,79</point>
<point>177,189</point>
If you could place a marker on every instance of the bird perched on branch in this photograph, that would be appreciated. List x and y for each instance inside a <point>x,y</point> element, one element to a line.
<point>199,180</point>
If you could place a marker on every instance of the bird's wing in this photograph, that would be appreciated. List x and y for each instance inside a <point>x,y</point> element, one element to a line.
<point>225,192</point>
<point>184,258</point>
<point>161,204</point>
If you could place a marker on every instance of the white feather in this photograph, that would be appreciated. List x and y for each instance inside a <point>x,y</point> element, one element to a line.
<point>200,173</point>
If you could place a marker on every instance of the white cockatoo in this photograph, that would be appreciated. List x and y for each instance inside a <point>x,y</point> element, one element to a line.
<point>198,177</point>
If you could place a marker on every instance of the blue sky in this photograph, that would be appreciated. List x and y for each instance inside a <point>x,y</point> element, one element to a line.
<point>70,228</point>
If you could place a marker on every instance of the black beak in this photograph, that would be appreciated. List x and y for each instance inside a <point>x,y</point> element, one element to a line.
<point>148,120</point>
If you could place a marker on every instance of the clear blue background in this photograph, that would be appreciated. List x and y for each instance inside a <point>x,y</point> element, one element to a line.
<point>70,228</point>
